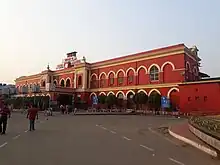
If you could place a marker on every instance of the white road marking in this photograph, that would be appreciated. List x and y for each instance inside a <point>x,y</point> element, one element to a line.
<point>16,137</point>
<point>26,131</point>
<point>104,128</point>
<point>4,144</point>
<point>113,132</point>
<point>176,161</point>
<point>126,138</point>
<point>148,148</point>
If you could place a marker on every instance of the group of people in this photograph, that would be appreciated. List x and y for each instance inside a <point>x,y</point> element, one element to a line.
<point>5,113</point>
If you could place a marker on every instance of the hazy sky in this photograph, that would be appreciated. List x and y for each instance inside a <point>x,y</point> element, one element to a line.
<point>34,33</point>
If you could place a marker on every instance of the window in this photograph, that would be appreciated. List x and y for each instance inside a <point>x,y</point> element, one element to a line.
<point>102,82</point>
<point>197,98</point>
<point>189,98</point>
<point>111,81</point>
<point>43,84</point>
<point>80,80</point>
<point>130,79</point>
<point>196,89</point>
<point>62,84</point>
<point>68,83</point>
<point>154,73</point>
<point>30,86</point>
<point>205,98</point>
<point>120,80</point>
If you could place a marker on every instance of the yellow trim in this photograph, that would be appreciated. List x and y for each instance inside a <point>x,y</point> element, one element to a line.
<point>172,89</point>
<point>165,63</point>
<point>129,92</point>
<point>102,93</point>
<point>114,63</point>
<point>110,92</point>
<point>120,92</point>
<point>156,90</point>
<point>200,82</point>
<point>142,90</point>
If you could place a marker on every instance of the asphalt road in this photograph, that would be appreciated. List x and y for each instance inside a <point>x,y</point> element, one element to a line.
<point>96,140</point>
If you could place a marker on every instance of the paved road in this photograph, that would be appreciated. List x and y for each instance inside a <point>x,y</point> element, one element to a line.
<point>96,140</point>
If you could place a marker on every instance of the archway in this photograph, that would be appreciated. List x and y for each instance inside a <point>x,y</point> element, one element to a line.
<point>173,95</point>
<point>62,83</point>
<point>130,100</point>
<point>154,100</point>
<point>68,83</point>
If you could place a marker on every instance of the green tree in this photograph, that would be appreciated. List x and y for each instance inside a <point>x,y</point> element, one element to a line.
<point>140,99</point>
<point>101,99</point>
<point>154,100</point>
<point>111,100</point>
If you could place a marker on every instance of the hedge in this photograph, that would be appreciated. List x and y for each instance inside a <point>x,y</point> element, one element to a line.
<point>208,125</point>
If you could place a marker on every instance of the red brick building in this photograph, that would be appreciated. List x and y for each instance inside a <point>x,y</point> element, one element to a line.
<point>162,70</point>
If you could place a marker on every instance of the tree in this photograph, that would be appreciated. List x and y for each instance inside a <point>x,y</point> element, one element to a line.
<point>140,99</point>
<point>101,99</point>
<point>155,100</point>
<point>111,100</point>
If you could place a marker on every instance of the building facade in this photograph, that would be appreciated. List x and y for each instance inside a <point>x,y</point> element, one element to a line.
<point>161,70</point>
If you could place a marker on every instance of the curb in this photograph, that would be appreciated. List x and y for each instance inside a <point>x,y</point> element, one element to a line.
<point>194,144</point>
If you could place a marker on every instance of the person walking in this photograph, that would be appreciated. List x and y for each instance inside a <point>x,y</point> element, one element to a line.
<point>5,113</point>
<point>32,115</point>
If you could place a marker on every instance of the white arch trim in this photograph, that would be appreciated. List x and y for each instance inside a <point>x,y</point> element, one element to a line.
<point>56,81</point>
<point>154,90</point>
<point>120,92</point>
<point>120,70</point>
<point>129,70</point>
<point>141,90</point>
<point>68,78</point>
<point>167,62</point>
<point>102,93</point>
<point>111,72</point>
<point>48,95</point>
<point>129,92</point>
<point>142,66</point>
<point>94,74</point>
<point>172,89</point>
<point>102,74</point>
<point>187,63</point>
<point>63,80</point>
<point>158,67</point>
<point>93,93</point>
<point>110,93</point>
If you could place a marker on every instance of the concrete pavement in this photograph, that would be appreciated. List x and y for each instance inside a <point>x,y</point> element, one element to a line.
<point>96,140</point>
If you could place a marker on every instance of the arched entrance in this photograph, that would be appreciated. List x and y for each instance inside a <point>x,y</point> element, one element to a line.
<point>154,100</point>
<point>173,95</point>
<point>130,101</point>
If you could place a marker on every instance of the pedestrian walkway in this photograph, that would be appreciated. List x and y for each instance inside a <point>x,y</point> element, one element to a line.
<point>182,132</point>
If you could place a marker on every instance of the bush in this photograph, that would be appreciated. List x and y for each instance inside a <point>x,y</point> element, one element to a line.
<point>208,125</point>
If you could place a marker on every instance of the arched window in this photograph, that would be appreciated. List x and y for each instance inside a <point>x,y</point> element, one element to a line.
<point>43,83</point>
<point>154,73</point>
<point>55,82</point>
<point>120,77</point>
<point>102,80</point>
<point>111,79</point>
<point>79,80</point>
<point>62,83</point>
<point>68,83</point>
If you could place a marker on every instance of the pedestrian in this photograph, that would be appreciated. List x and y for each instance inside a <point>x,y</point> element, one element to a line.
<point>32,115</point>
<point>5,114</point>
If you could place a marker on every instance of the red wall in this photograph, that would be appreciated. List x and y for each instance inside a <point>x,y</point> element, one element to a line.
<point>200,97</point>
<point>167,75</point>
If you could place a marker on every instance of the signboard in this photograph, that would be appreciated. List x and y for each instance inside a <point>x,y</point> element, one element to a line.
<point>94,100</point>
<point>165,102</point>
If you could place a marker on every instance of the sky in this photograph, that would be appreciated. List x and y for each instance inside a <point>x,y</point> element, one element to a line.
<point>34,33</point>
